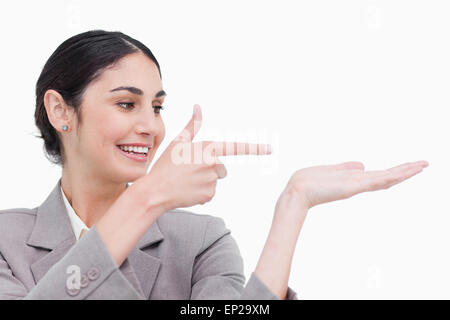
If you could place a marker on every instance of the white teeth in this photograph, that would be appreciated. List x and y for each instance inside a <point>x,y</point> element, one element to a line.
<point>134,149</point>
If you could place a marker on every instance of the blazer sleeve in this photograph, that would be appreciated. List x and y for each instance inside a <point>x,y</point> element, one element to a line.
<point>218,270</point>
<point>100,277</point>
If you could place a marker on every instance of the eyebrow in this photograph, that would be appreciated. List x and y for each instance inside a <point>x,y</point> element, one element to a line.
<point>138,91</point>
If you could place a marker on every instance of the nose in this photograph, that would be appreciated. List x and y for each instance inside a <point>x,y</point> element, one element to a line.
<point>147,122</point>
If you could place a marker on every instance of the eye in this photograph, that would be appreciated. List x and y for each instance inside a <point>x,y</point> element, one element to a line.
<point>125,103</point>
<point>158,108</point>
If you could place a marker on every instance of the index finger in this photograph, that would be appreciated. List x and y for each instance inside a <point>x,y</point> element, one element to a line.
<point>240,148</point>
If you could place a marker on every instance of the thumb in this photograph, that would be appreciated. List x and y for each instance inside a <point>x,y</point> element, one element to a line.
<point>192,127</point>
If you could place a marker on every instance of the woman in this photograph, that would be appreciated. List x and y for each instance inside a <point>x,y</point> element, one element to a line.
<point>98,102</point>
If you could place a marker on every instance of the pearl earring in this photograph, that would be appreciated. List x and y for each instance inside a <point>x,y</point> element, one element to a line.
<point>65,127</point>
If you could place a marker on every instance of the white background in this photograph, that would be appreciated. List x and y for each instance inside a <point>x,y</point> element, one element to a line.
<point>322,81</point>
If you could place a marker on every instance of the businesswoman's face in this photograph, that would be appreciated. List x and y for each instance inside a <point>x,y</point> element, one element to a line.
<point>113,115</point>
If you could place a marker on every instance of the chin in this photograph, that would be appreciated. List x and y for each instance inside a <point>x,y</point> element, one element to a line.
<point>125,175</point>
<point>133,177</point>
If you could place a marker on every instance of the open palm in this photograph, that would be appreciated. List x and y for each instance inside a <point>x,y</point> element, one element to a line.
<point>326,183</point>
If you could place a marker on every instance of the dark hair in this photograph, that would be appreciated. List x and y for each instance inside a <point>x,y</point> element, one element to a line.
<point>75,63</point>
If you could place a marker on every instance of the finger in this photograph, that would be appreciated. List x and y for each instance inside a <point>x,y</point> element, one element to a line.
<point>408,172</point>
<point>375,180</point>
<point>221,170</point>
<point>350,165</point>
<point>221,148</point>
<point>192,127</point>
<point>403,166</point>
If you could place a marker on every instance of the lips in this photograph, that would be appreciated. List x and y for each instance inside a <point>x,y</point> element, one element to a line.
<point>136,145</point>
<point>132,151</point>
<point>140,157</point>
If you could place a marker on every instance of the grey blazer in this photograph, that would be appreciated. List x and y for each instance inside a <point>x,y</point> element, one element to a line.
<point>182,255</point>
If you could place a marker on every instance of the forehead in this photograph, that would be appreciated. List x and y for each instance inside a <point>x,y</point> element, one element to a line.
<point>135,69</point>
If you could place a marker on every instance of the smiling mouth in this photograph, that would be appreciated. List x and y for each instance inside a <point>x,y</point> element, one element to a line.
<point>143,151</point>
<point>138,155</point>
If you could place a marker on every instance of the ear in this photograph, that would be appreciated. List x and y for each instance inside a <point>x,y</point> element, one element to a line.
<point>58,112</point>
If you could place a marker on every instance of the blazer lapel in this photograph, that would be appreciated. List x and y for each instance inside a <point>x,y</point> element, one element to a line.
<point>53,232</point>
<point>145,265</point>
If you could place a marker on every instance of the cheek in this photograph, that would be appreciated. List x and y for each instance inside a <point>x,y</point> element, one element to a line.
<point>106,131</point>
<point>161,134</point>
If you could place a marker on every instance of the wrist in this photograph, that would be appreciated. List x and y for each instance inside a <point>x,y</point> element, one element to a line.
<point>152,200</point>
<point>293,201</point>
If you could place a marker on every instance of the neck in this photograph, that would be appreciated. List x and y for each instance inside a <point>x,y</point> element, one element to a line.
<point>89,197</point>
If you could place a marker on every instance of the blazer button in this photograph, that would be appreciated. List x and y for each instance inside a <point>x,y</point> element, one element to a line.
<point>93,273</point>
<point>84,281</point>
<point>72,292</point>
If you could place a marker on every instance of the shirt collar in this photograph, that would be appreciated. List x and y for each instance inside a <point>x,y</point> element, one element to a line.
<point>75,221</point>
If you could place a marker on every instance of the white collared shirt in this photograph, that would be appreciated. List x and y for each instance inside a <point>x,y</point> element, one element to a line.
<point>75,221</point>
